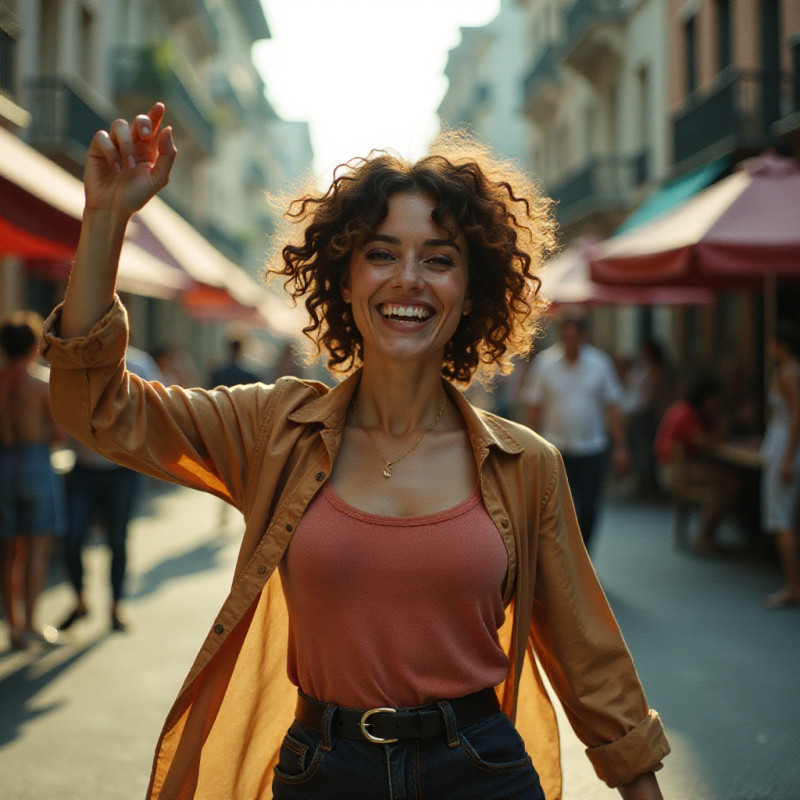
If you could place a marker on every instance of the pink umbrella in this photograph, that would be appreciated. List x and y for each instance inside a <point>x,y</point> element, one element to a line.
<point>566,281</point>
<point>738,232</point>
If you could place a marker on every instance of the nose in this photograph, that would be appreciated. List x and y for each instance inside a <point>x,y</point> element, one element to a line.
<point>409,273</point>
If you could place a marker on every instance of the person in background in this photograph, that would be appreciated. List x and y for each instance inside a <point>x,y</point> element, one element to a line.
<point>99,489</point>
<point>647,396</point>
<point>780,476</point>
<point>31,494</point>
<point>573,397</point>
<point>687,435</point>
<point>232,372</point>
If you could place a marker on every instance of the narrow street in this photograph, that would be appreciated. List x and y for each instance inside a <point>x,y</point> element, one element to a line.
<point>79,721</point>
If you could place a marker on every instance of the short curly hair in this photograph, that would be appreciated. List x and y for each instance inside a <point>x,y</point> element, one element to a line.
<point>19,333</point>
<point>508,224</point>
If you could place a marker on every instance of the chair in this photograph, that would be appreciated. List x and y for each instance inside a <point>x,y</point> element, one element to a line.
<point>684,495</point>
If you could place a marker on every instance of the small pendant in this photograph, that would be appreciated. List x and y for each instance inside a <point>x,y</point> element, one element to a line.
<point>387,471</point>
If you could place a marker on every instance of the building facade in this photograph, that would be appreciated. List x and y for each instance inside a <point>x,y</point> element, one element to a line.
<point>70,67</point>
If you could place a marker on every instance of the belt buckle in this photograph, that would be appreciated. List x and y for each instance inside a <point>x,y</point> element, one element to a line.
<point>363,723</point>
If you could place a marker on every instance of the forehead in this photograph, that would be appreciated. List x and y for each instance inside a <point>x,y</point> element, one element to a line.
<point>412,212</point>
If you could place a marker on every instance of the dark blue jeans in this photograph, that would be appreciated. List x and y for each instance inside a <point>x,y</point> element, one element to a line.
<point>586,476</point>
<point>484,761</point>
<point>110,494</point>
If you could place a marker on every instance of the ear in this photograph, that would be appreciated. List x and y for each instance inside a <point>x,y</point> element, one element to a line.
<point>344,287</point>
<point>465,312</point>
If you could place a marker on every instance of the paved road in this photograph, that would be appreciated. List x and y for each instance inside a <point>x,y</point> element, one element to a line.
<point>79,722</point>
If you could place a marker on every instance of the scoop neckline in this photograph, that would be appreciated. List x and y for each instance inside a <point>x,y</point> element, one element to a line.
<point>465,505</point>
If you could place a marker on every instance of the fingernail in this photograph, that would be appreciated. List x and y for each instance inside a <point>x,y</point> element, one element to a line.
<point>131,162</point>
<point>145,130</point>
<point>117,166</point>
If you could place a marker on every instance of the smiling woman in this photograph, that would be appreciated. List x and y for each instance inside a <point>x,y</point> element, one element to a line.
<point>405,553</point>
<point>458,214</point>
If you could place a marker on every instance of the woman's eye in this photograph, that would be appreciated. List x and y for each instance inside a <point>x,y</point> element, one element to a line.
<point>379,255</point>
<point>440,260</point>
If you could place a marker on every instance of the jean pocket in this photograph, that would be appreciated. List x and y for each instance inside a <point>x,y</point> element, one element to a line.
<point>494,745</point>
<point>300,755</point>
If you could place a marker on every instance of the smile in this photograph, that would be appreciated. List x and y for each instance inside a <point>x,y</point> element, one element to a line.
<point>405,313</point>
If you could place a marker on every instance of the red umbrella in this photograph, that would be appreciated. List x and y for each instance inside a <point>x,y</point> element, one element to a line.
<point>738,232</point>
<point>566,281</point>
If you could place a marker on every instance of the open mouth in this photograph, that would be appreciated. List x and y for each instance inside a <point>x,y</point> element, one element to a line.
<point>400,313</point>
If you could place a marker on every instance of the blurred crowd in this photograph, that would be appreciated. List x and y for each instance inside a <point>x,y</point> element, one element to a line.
<point>637,421</point>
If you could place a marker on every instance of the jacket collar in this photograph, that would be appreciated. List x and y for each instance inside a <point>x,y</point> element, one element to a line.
<point>330,410</point>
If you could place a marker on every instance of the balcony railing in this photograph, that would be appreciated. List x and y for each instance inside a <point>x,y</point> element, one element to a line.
<point>9,34</point>
<point>604,183</point>
<point>146,74</point>
<point>64,117</point>
<point>737,112</point>
<point>641,167</point>
<point>588,12</point>
<point>545,70</point>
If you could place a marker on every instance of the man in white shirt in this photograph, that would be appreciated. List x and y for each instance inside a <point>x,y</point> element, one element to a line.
<point>573,394</point>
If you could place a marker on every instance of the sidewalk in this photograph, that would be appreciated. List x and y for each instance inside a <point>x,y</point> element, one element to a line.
<point>80,722</point>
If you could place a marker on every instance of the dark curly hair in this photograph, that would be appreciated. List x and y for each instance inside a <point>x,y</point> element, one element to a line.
<point>19,333</point>
<point>508,224</point>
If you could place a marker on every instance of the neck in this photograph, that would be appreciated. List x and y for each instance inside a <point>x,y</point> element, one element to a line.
<point>399,398</point>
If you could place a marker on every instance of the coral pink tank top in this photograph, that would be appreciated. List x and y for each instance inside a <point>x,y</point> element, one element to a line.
<point>397,611</point>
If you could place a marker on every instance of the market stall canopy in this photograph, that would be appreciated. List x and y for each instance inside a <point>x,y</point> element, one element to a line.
<point>40,203</point>
<point>566,281</point>
<point>672,194</point>
<point>164,232</point>
<point>737,232</point>
<point>41,206</point>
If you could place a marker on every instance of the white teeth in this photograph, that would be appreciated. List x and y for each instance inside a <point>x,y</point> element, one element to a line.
<point>405,311</point>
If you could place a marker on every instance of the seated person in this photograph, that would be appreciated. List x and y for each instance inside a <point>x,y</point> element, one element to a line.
<point>684,445</point>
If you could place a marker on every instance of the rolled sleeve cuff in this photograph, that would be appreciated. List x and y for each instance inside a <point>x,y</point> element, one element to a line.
<point>104,346</point>
<point>639,751</point>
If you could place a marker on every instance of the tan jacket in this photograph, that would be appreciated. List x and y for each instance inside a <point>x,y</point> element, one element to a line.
<point>267,450</point>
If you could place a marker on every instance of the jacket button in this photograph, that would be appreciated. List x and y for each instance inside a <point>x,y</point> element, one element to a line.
<point>218,629</point>
<point>289,527</point>
<point>261,569</point>
<point>320,476</point>
<point>504,522</point>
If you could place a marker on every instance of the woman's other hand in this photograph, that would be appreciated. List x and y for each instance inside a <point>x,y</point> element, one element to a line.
<point>129,164</point>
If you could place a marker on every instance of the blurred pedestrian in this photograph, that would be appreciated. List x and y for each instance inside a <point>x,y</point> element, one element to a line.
<point>685,443</point>
<point>780,486</point>
<point>389,523</point>
<point>98,490</point>
<point>233,371</point>
<point>573,395</point>
<point>31,494</point>
<point>647,394</point>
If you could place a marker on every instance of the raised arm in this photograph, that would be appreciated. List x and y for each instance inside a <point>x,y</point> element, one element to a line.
<point>126,166</point>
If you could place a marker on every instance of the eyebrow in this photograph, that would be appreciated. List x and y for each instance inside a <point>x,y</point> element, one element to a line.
<point>382,237</point>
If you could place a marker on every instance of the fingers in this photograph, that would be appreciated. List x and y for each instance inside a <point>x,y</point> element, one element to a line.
<point>165,159</point>
<point>146,125</point>
<point>102,141</point>
<point>123,141</point>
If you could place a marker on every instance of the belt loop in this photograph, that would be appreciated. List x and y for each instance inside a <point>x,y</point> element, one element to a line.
<point>449,723</point>
<point>328,739</point>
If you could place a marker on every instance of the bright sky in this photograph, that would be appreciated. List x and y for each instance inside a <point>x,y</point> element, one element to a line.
<point>364,73</point>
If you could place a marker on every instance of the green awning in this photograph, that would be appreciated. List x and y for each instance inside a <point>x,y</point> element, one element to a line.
<point>672,194</point>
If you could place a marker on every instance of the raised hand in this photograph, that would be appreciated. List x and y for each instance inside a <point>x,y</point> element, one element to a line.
<point>129,164</point>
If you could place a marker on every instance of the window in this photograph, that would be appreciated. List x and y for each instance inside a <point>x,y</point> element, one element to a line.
<point>724,36</point>
<point>690,53</point>
<point>48,38</point>
<point>87,45</point>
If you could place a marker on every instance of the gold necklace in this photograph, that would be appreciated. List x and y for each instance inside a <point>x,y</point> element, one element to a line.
<point>387,470</point>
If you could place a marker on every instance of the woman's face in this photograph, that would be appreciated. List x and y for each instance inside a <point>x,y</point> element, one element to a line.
<point>408,284</point>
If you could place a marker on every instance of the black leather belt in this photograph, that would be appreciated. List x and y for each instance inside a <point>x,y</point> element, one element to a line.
<point>385,725</point>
